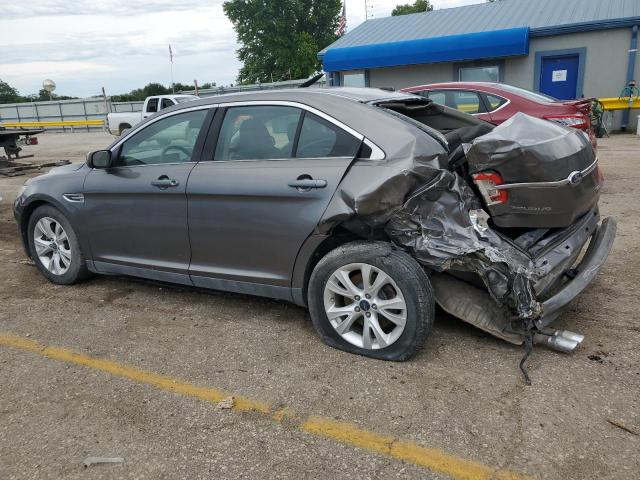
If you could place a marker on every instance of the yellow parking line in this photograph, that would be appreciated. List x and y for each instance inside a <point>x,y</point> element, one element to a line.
<point>430,458</point>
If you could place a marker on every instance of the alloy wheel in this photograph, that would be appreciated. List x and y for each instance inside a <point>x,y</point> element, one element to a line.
<point>365,306</point>
<point>52,245</point>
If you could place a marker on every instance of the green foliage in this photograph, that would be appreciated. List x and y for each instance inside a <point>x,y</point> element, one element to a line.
<point>43,96</point>
<point>140,94</point>
<point>8,94</point>
<point>416,7</point>
<point>279,39</point>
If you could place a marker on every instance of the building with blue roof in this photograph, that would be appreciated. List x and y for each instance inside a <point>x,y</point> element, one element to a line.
<point>565,48</point>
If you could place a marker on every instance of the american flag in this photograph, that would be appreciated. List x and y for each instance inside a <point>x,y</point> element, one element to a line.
<point>342,21</point>
<point>170,54</point>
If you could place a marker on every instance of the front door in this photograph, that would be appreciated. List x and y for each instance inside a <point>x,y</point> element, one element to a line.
<point>251,207</point>
<point>136,211</point>
<point>559,76</point>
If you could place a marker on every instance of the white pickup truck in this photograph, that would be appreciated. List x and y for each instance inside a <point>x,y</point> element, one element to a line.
<point>119,122</point>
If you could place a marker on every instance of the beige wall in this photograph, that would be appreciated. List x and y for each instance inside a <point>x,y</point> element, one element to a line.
<point>605,66</point>
<point>410,75</point>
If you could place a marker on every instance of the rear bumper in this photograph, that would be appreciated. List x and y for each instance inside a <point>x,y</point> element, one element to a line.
<point>593,260</point>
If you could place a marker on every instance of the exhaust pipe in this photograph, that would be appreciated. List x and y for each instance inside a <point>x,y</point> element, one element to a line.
<point>559,340</point>
<point>576,337</point>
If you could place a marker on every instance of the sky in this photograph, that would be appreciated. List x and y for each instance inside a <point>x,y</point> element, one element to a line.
<point>84,45</point>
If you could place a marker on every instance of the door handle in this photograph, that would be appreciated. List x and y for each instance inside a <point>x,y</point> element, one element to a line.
<point>307,183</point>
<point>165,182</point>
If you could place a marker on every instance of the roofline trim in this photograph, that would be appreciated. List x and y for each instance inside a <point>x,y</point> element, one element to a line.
<point>584,27</point>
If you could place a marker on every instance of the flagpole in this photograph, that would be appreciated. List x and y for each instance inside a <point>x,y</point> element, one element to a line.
<point>173,85</point>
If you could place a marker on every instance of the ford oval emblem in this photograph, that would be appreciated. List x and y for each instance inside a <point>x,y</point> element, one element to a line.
<point>575,178</point>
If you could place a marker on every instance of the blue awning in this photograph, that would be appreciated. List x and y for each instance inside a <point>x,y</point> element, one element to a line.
<point>451,48</point>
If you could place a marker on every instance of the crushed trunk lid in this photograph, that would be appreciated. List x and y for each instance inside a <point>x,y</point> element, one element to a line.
<point>532,173</point>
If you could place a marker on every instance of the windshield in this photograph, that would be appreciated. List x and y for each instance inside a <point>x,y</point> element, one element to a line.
<point>528,94</point>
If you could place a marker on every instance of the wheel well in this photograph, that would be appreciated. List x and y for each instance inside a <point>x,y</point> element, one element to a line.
<point>339,236</point>
<point>24,221</point>
<point>123,126</point>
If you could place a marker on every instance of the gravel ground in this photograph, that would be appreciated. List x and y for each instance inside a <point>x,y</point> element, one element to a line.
<point>463,393</point>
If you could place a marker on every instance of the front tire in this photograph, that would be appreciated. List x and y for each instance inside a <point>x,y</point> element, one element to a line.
<point>371,299</point>
<point>55,248</point>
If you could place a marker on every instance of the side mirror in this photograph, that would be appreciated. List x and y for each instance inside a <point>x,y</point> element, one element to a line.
<point>100,159</point>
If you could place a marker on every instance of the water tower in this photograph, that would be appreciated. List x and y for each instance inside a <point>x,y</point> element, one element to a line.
<point>49,85</point>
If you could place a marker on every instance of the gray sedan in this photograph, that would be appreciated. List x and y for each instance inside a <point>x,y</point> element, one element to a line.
<point>366,206</point>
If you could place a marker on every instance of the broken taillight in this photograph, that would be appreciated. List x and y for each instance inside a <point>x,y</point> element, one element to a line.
<point>487,183</point>
<point>31,140</point>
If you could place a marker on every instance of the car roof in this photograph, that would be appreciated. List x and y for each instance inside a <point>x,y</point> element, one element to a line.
<point>361,95</point>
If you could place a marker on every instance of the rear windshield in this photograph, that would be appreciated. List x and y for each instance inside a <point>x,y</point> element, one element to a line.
<point>528,94</point>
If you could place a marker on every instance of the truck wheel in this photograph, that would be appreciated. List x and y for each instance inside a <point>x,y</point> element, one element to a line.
<point>54,247</point>
<point>371,299</point>
<point>122,128</point>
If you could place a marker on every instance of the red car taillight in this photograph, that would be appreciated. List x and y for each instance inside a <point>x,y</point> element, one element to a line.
<point>486,183</point>
<point>575,120</point>
<point>31,141</point>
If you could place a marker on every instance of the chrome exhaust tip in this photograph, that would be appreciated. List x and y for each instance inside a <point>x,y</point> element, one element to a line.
<point>556,342</point>
<point>575,337</point>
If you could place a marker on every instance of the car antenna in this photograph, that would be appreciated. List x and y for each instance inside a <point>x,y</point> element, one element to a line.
<point>311,81</point>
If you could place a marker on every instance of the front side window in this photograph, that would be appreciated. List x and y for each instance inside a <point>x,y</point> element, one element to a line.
<point>479,74</point>
<point>257,133</point>
<point>319,138</point>
<point>169,140</point>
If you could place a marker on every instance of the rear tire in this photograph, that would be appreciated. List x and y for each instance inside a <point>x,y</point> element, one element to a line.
<point>396,298</point>
<point>55,248</point>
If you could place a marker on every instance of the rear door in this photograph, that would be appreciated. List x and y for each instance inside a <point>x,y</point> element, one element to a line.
<point>270,177</point>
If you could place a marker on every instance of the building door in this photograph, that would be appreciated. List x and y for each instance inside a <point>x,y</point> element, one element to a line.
<point>559,76</point>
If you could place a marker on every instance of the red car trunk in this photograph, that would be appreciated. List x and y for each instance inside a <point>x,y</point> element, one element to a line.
<point>497,102</point>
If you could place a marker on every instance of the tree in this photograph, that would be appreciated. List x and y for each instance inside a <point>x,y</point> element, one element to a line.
<point>280,39</point>
<point>418,6</point>
<point>141,93</point>
<point>8,94</point>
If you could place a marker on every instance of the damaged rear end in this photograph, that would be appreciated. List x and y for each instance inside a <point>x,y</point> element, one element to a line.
<point>504,218</point>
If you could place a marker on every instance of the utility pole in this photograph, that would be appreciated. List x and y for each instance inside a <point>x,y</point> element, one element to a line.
<point>195,82</point>
<point>106,104</point>
<point>368,9</point>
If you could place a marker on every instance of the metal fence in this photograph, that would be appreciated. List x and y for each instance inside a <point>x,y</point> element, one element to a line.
<point>65,110</point>
<point>85,109</point>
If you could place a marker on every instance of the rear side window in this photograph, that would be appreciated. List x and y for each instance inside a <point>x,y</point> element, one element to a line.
<point>461,100</point>
<point>257,133</point>
<point>166,102</point>
<point>320,138</point>
<point>494,102</point>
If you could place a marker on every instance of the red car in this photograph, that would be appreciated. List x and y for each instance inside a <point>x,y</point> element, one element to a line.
<point>496,102</point>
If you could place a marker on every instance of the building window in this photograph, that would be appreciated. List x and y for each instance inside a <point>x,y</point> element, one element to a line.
<point>355,78</point>
<point>489,73</point>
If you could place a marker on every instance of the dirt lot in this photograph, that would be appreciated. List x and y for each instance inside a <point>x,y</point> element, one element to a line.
<point>462,395</point>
